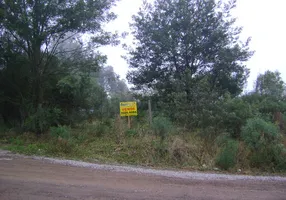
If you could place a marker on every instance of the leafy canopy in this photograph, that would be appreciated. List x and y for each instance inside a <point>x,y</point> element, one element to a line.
<point>180,42</point>
<point>270,84</point>
<point>188,54</point>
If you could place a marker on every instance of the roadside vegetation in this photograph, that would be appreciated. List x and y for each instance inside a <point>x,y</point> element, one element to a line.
<point>58,97</point>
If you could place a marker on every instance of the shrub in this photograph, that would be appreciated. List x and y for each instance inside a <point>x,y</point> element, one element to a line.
<point>228,155</point>
<point>162,126</point>
<point>42,119</point>
<point>232,114</point>
<point>60,132</point>
<point>258,133</point>
<point>264,139</point>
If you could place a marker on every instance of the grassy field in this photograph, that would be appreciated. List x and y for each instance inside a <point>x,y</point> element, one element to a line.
<point>115,144</point>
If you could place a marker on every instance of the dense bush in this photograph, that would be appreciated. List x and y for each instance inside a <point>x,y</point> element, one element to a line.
<point>42,119</point>
<point>264,140</point>
<point>258,133</point>
<point>227,157</point>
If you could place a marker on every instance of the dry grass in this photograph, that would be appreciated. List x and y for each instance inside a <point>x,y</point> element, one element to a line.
<point>243,157</point>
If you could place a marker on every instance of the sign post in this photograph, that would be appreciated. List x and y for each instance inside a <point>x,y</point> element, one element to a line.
<point>129,122</point>
<point>128,109</point>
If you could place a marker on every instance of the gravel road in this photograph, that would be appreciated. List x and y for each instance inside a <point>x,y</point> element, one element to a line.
<point>38,178</point>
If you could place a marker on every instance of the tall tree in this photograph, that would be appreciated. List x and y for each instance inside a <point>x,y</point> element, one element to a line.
<point>116,89</point>
<point>111,82</point>
<point>270,84</point>
<point>30,34</point>
<point>186,49</point>
<point>33,25</point>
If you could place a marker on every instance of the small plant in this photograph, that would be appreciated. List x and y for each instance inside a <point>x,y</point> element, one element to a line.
<point>60,132</point>
<point>226,159</point>
<point>162,126</point>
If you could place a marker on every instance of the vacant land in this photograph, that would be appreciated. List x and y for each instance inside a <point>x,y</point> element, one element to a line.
<point>40,179</point>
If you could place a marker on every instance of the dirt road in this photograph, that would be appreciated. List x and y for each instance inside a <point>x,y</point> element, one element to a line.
<point>39,179</point>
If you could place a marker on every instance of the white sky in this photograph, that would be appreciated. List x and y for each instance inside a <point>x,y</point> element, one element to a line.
<point>263,20</point>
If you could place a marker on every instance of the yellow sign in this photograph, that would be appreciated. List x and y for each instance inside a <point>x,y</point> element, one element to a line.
<point>128,108</point>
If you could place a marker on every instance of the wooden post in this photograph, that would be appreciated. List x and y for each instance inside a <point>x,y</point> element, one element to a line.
<point>129,122</point>
<point>150,112</point>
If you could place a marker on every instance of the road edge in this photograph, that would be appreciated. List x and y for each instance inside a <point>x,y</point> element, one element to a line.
<point>141,170</point>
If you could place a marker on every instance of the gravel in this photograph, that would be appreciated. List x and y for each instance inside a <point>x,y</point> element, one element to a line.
<point>140,170</point>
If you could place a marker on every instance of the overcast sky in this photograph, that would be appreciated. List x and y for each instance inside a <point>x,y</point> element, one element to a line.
<point>263,20</point>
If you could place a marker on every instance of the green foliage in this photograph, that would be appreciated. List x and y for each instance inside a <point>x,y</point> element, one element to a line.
<point>227,157</point>
<point>264,139</point>
<point>187,55</point>
<point>258,133</point>
<point>270,84</point>
<point>269,105</point>
<point>225,115</point>
<point>266,107</point>
<point>131,132</point>
<point>42,120</point>
<point>187,59</point>
<point>16,141</point>
<point>233,114</point>
<point>42,66</point>
<point>32,149</point>
<point>162,126</point>
<point>60,132</point>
